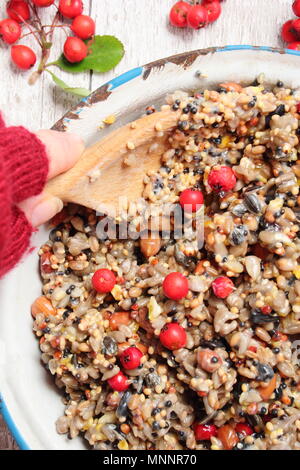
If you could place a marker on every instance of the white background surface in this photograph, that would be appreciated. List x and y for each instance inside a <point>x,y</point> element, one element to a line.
<point>142,25</point>
<point>143,28</point>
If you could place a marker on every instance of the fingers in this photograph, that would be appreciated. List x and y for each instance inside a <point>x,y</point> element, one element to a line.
<point>63,150</point>
<point>39,209</point>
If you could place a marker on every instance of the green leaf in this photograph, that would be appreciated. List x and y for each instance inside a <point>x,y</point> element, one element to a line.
<point>105,53</point>
<point>75,91</point>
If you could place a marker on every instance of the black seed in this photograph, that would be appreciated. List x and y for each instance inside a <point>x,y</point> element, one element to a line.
<point>155,411</point>
<point>259,318</point>
<point>238,234</point>
<point>216,140</point>
<point>182,125</point>
<point>253,203</point>
<point>251,103</point>
<point>265,372</point>
<point>155,426</point>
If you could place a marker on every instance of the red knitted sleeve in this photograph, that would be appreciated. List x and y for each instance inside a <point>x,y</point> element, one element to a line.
<point>23,173</point>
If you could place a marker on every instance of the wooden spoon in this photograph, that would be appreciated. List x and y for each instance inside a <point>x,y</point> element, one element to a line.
<point>115,167</point>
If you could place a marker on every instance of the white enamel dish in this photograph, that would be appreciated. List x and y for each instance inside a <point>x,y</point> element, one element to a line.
<point>29,401</point>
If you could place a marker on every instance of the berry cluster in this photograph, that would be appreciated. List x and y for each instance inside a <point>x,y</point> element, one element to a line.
<point>196,15</point>
<point>25,13</point>
<point>290,31</point>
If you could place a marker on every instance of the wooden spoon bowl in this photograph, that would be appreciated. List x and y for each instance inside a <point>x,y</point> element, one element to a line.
<point>109,175</point>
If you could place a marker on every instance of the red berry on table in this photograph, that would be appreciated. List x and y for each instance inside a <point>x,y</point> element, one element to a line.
<point>287,33</point>
<point>214,10</point>
<point>83,26</point>
<point>296,7</point>
<point>294,45</point>
<point>75,50</point>
<point>10,30</point>
<point>131,358</point>
<point>222,179</point>
<point>43,3</point>
<point>18,10</point>
<point>173,336</point>
<point>191,200</point>
<point>70,8</point>
<point>175,286</point>
<point>178,14</point>
<point>203,432</point>
<point>197,17</point>
<point>296,29</point>
<point>119,382</point>
<point>244,429</point>
<point>103,280</point>
<point>222,287</point>
<point>23,57</point>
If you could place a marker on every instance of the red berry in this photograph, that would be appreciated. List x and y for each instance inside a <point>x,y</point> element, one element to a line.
<point>296,7</point>
<point>83,26</point>
<point>197,17</point>
<point>175,286</point>
<point>18,10</point>
<point>295,29</point>
<point>244,429</point>
<point>103,280</point>
<point>178,14</point>
<point>75,50</point>
<point>43,3</point>
<point>214,10</point>
<point>70,8</point>
<point>191,200</point>
<point>298,108</point>
<point>203,432</point>
<point>131,358</point>
<point>222,179</point>
<point>287,31</point>
<point>294,45</point>
<point>173,336</point>
<point>222,287</point>
<point>23,57</point>
<point>10,30</point>
<point>119,382</point>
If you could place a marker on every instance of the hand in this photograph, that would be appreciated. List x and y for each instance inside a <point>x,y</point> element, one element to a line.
<point>63,151</point>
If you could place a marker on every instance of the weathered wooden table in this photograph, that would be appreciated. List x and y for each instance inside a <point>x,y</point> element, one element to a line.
<point>143,27</point>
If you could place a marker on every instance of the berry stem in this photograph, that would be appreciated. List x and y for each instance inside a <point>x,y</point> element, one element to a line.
<point>45,43</point>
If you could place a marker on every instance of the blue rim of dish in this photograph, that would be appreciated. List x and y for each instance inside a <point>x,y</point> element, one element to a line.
<point>112,85</point>
<point>11,425</point>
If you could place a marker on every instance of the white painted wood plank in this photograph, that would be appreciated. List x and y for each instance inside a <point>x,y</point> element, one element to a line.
<point>40,105</point>
<point>143,27</point>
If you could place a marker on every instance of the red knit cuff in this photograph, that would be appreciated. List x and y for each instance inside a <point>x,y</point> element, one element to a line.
<point>17,237</point>
<point>25,161</point>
